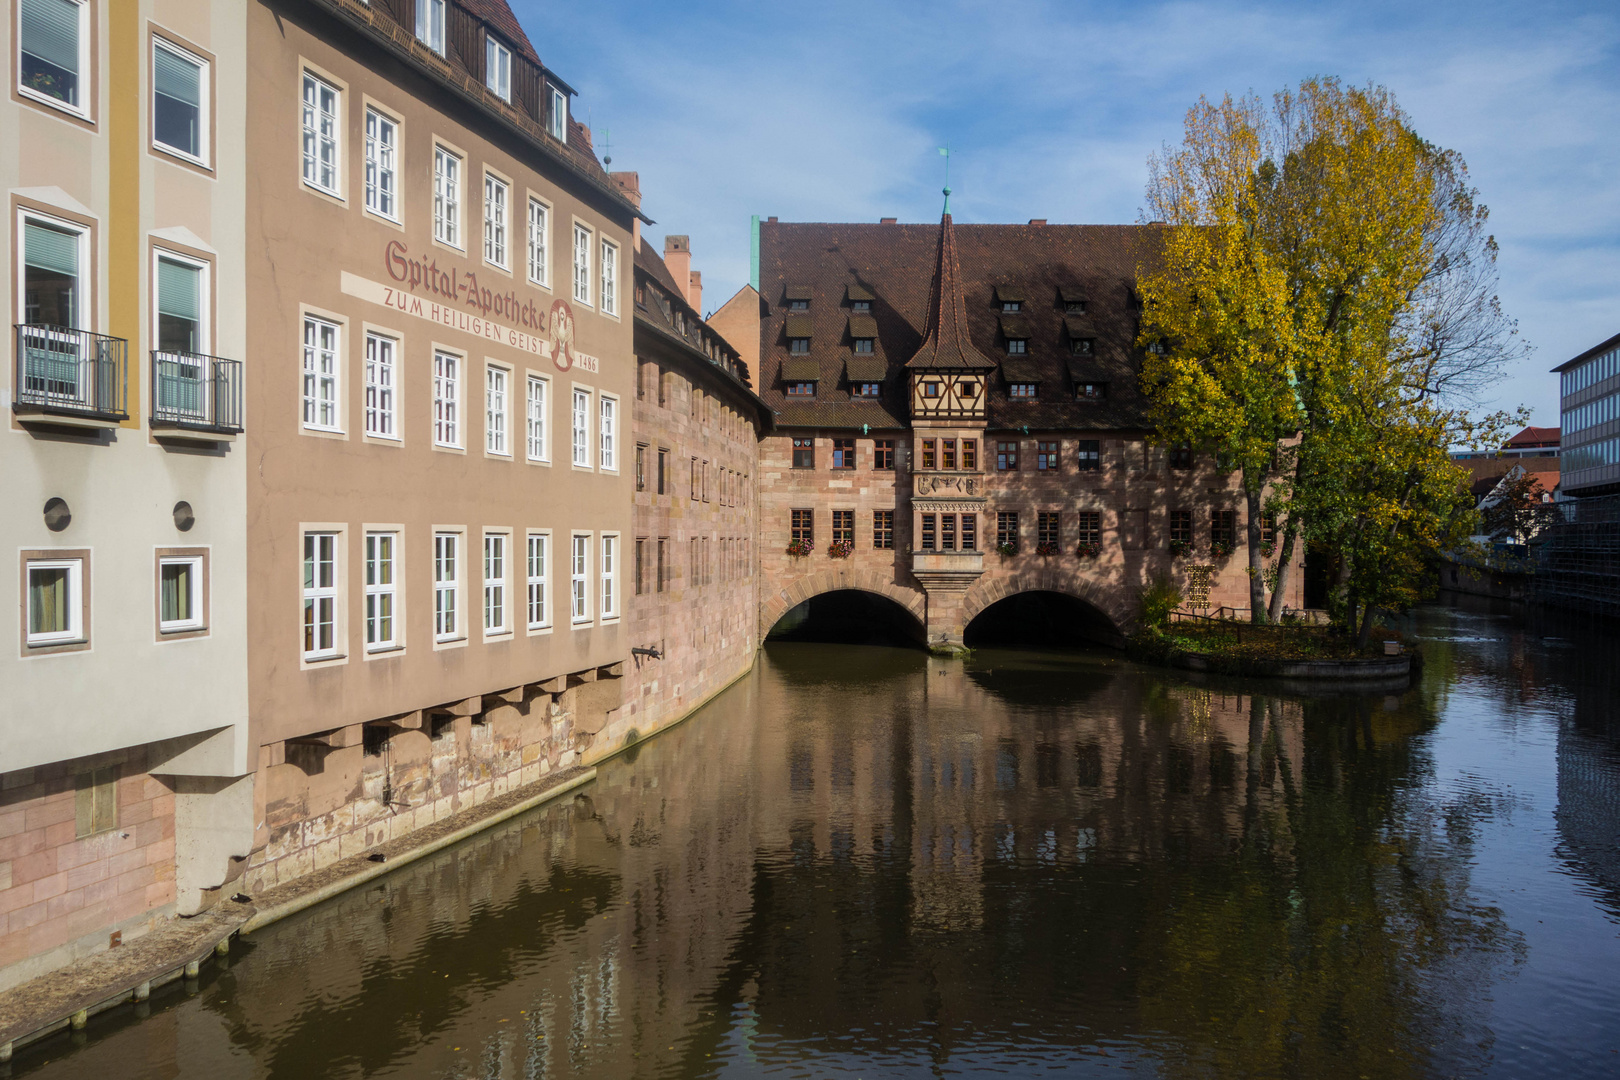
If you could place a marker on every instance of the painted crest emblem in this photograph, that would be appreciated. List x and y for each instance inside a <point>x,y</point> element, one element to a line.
<point>562,335</point>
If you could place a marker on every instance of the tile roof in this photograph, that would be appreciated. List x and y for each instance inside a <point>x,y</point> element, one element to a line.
<point>897,265</point>
<point>692,329</point>
<point>1534,437</point>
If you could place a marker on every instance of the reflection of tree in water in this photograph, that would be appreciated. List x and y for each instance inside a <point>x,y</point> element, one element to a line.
<point>1340,939</point>
<point>1288,903</point>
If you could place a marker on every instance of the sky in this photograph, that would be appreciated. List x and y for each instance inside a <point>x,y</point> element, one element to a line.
<point>834,111</point>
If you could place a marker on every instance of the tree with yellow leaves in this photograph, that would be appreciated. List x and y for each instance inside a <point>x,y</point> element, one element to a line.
<point>1325,303</point>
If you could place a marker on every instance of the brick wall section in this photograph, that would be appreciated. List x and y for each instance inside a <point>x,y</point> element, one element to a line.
<point>323,804</point>
<point>789,580</point>
<point>61,896</point>
<point>1134,477</point>
<point>704,627</point>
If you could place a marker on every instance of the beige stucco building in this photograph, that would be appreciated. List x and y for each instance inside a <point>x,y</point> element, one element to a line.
<point>123,680</point>
<point>440,497</point>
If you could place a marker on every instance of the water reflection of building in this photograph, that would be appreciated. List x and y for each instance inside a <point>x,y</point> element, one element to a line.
<point>1589,807</point>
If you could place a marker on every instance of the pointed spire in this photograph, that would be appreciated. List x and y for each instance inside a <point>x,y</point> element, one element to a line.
<point>946,343</point>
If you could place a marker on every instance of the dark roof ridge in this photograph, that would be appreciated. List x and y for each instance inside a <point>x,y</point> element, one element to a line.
<point>946,342</point>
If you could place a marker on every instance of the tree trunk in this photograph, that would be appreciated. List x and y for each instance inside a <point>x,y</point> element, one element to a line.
<point>1283,559</point>
<point>1257,565</point>
<point>1366,628</point>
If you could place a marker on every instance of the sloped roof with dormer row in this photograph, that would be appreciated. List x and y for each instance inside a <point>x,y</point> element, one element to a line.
<point>900,267</point>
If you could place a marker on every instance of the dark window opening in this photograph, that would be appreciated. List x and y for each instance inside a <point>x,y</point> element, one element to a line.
<point>1090,391</point>
<point>883,529</point>
<point>947,454</point>
<point>863,345</point>
<point>1223,528</point>
<point>1047,533</point>
<point>1021,390</point>
<point>1007,530</point>
<point>947,532</point>
<point>843,453</point>
<point>1046,456</point>
<point>1181,457</point>
<point>1017,346</point>
<point>869,389</point>
<point>843,527</point>
<point>1181,527</point>
<point>803,528</point>
<point>1088,526</point>
<point>1090,456</point>
<point>928,453</point>
<point>929,526</point>
<point>970,454</point>
<point>801,389</point>
<point>1007,456</point>
<point>970,532</point>
<point>883,454</point>
<point>804,453</point>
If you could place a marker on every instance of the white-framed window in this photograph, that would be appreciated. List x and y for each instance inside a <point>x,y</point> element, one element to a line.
<point>497,410</point>
<point>320,374</point>
<point>539,233</point>
<point>536,433</point>
<point>579,578</point>
<point>497,67</point>
<point>610,278</point>
<point>181,295</point>
<point>320,595</point>
<point>539,606</point>
<point>610,576</point>
<point>495,213</point>
<point>608,432</point>
<point>446,586</point>
<point>382,164</point>
<point>55,601</point>
<point>322,101</point>
<point>381,386</point>
<point>430,24</point>
<point>54,288</point>
<point>496,619</point>
<point>180,594</point>
<point>382,575</point>
<point>559,114</point>
<point>582,264</point>
<point>582,427</point>
<point>447,196</point>
<point>180,86</point>
<point>53,46</point>
<point>446,399</point>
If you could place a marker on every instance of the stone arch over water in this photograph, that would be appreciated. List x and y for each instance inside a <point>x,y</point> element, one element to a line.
<point>1107,600</point>
<point>775,605</point>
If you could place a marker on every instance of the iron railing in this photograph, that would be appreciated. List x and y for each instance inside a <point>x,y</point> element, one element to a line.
<point>64,371</point>
<point>196,392</point>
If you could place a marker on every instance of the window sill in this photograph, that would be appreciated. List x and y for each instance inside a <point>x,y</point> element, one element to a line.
<point>173,631</point>
<point>329,193</point>
<point>384,650</point>
<point>323,658</point>
<point>181,157</point>
<point>55,104</point>
<point>47,644</point>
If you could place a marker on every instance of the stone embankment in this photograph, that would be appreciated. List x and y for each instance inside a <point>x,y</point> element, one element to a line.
<point>125,977</point>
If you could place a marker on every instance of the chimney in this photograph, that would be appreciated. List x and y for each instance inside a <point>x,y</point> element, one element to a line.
<point>630,184</point>
<point>1037,221</point>
<point>888,221</point>
<point>678,257</point>
<point>694,291</point>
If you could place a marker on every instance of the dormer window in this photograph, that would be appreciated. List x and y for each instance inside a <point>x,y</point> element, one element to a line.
<point>863,345</point>
<point>1083,346</point>
<point>1010,306</point>
<point>1074,307</point>
<point>861,307</point>
<point>1009,299</point>
<point>497,68</point>
<point>1023,390</point>
<point>868,390</point>
<point>799,346</point>
<point>801,389</point>
<point>1090,391</point>
<point>1017,346</point>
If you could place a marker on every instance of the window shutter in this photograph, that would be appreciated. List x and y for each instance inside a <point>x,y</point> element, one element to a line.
<point>177,290</point>
<point>50,32</point>
<point>51,249</point>
<point>175,77</point>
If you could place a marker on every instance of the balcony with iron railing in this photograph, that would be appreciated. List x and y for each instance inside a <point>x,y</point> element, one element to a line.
<point>195,396</point>
<point>70,377</point>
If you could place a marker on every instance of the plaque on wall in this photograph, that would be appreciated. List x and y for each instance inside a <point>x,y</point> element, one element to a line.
<point>1198,586</point>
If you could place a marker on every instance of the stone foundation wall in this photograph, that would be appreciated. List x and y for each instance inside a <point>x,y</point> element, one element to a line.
<point>324,801</point>
<point>62,895</point>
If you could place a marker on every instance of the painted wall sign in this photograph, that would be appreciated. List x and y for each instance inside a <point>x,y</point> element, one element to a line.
<point>455,299</point>
<point>1198,578</point>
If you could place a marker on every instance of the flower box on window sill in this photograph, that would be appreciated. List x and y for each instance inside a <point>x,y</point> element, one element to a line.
<point>799,549</point>
<point>1006,550</point>
<point>1220,549</point>
<point>1046,549</point>
<point>1267,550</point>
<point>1088,550</point>
<point>1180,549</point>
<point>839,549</point>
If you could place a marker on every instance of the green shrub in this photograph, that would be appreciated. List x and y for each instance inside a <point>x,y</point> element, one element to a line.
<point>1157,600</point>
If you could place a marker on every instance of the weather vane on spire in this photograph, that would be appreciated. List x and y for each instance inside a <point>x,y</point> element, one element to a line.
<point>945,152</point>
<point>607,148</point>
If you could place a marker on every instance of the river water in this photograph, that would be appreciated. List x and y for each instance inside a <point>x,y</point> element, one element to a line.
<point>868,863</point>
